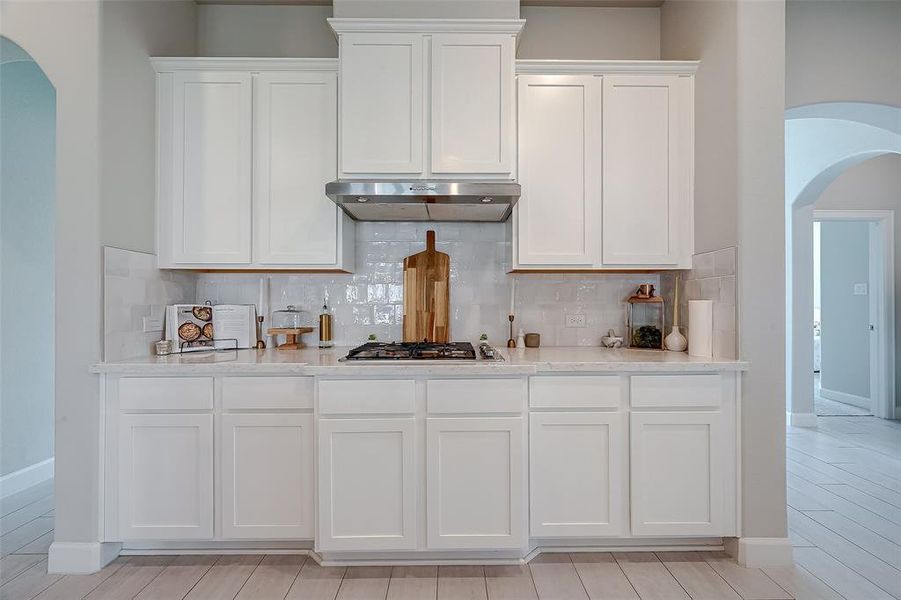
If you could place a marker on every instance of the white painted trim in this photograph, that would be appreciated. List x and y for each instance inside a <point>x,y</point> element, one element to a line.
<point>167,64</point>
<point>601,67</point>
<point>801,419</point>
<point>81,557</point>
<point>883,394</point>
<point>20,480</point>
<point>759,552</point>
<point>424,26</point>
<point>845,398</point>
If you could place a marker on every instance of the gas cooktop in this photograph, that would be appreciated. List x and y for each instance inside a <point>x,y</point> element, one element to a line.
<point>413,351</point>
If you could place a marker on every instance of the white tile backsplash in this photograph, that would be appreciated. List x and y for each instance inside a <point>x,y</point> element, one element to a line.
<point>133,288</point>
<point>370,300</point>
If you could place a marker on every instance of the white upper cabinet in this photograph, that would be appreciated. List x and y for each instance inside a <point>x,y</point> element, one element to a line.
<point>473,104</point>
<point>557,218</point>
<point>381,103</point>
<point>245,150</point>
<point>606,161</point>
<point>295,120</point>
<point>209,160</point>
<point>647,165</point>
<point>431,98</point>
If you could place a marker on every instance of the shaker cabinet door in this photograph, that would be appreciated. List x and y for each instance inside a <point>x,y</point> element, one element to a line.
<point>295,125</point>
<point>557,218</point>
<point>578,464</point>
<point>205,201</point>
<point>367,484</point>
<point>166,476</point>
<point>381,103</point>
<point>647,165</point>
<point>473,106</point>
<point>678,477</point>
<point>475,490</point>
<point>267,476</point>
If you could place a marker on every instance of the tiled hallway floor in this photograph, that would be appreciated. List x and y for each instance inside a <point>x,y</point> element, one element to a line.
<point>844,501</point>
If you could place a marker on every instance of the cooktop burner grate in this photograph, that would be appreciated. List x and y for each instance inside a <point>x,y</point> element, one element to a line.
<point>413,351</point>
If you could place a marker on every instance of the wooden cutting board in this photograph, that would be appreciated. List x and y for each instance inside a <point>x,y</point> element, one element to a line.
<point>426,294</point>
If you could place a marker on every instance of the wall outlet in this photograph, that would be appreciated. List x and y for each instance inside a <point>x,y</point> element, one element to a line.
<point>860,289</point>
<point>153,324</point>
<point>575,320</point>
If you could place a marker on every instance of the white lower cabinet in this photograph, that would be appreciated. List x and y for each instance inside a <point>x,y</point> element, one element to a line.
<point>165,476</point>
<point>367,484</point>
<point>475,483</point>
<point>267,476</point>
<point>578,474</point>
<point>678,462</point>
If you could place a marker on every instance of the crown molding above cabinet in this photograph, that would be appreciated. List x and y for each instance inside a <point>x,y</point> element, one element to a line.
<point>605,67</point>
<point>427,26</point>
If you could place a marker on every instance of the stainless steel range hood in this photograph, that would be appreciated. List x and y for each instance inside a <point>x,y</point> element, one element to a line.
<point>424,200</point>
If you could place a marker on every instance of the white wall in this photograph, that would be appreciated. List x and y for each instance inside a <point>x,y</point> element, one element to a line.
<point>845,260</point>
<point>843,50</point>
<point>242,30</point>
<point>739,199</point>
<point>550,32</point>
<point>590,33</point>
<point>27,199</point>
<point>130,32</point>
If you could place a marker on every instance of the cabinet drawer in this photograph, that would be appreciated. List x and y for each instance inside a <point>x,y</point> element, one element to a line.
<point>367,396</point>
<point>450,396</point>
<point>166,393</point>
<point>677,390</point>
<point>267,393</point>
<point>576,391</point>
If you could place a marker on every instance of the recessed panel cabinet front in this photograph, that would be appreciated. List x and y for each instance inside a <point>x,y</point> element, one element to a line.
<point>381,103</point>
<point>166,476</point>
<point>557,217</point>
<point>367,484</point>
<point>677,470</point>
<point>209,191</point>
<point>578,482</point>
<point>475,489</point>
<point>472,115</point>
<point>295,120</point>
<point>647,182</point>
<point>267,476</point>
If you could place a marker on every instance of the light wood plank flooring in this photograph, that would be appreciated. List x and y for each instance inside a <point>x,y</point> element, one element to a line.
<point>844,501</point>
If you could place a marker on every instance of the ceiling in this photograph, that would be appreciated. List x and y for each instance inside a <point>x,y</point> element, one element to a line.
<point>599,3</point>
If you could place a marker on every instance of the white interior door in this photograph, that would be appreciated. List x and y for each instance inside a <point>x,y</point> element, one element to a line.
<point>578,463</point>
<point>166,476</point>
<point>647,157</point>
<point>475,488</point>
<point>381,103</point>
<point>558,215</point>
<point>367,484</point>
<point>211,161</point>
<point>677,473</point>
<point>295,155</point>
<point>267,476</point>
<point>473,104</point>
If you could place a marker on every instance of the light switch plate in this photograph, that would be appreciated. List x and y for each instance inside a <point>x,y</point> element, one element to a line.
<point>860,289</point>
<point>153,324</point>
<point>575,320</point>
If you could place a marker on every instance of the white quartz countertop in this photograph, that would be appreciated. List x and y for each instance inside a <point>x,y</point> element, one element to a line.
<point>524,361</point>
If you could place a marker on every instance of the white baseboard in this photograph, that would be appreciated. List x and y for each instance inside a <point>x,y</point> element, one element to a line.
<point>23,479</point>
<point>845,398</point>
<point>759,552</point>
<point>81,557</point>
<point>802,419</point>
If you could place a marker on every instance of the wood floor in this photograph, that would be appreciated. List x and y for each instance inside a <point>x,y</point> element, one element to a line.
<point>844,516</point>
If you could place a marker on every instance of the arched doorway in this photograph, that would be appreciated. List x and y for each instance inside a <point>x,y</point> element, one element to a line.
<point>822,141</point>
<point>27,234</point>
